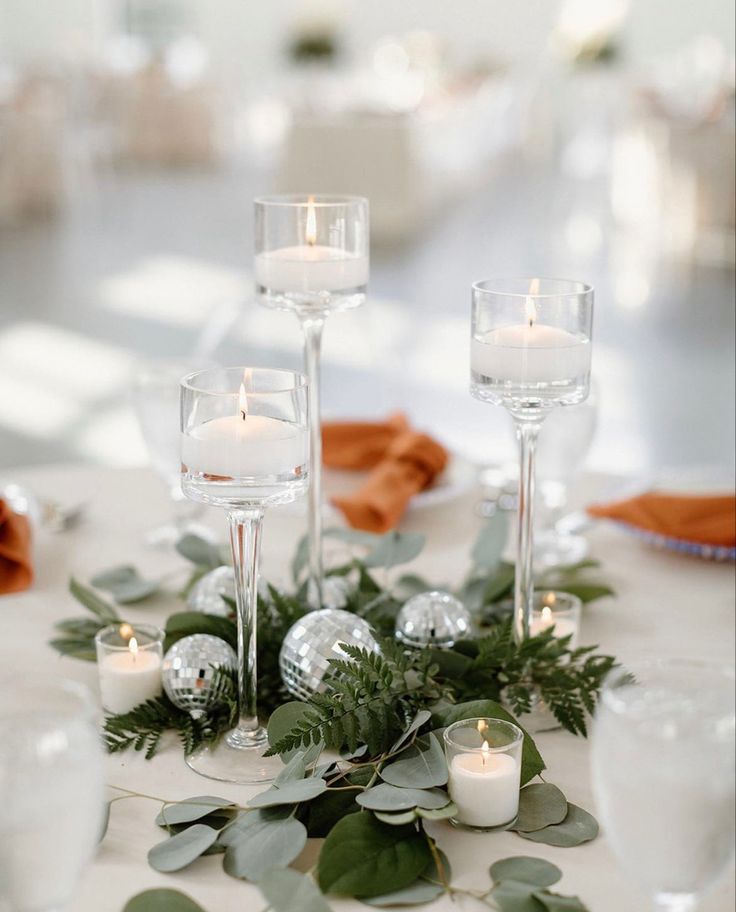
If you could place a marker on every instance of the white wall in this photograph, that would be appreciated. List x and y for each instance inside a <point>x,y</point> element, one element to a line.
<point>249,35</point>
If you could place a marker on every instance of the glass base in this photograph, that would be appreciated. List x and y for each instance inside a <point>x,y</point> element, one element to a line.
<point>552,549</point>
<point>458,824</point>
<point>237,757</point>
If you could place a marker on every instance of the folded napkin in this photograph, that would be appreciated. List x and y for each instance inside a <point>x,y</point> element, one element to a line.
<point>16,571</point>
<point>403,462</point>
<point>709,520</point>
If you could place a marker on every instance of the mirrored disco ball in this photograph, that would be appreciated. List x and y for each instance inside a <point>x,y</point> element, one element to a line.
<point>206,594</point>
<point>189,670</point>
<point>312,641</point>
<point>433,619</point>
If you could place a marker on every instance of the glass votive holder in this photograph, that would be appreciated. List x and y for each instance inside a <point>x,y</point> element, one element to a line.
<point>560,610</point>
<point>484,768</point>
<point>129,663</point>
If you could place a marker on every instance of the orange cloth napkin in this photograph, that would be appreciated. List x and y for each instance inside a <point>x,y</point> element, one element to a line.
<point>403,463</point>
<point>707,520</point>
<point>16,571</point>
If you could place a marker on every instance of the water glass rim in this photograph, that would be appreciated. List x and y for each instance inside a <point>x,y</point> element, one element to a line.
<point>299,381</point>
<point>79,692</point>
<point>155,633</point>
<point>510,727</point>
<point>317,200</point>
<point>726,670</point>
<point>574,288</point>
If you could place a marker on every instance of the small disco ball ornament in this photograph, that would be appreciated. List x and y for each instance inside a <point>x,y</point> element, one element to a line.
<point>206,595</point>
<point>189,671</point>
<point>312,641</point>
<point>433,619</point>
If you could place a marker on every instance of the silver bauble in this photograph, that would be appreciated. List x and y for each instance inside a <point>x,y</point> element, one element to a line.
<point>189,671</point>
<point>206,594</point>
<point>433,619</point>
<point>312,641</point>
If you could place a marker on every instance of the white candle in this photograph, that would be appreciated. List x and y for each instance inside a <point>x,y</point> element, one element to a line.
<point>530,353</point>
<point>129,677</point>
<point>237,447</point>
<point>546,618</point>
<point>485,787</point>
<point>310,268</point>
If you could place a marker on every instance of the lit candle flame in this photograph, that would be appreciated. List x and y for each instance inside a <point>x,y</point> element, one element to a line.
<point>242,402</point>
<point>126,631</point>
<point>531,307</point>
<point>546,616</point>
<point>133,647</point>
<point>310,233</point>
<point>484,755</point>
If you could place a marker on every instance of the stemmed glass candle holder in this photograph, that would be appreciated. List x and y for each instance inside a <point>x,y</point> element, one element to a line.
<point>530,352</point>
<point>662,758</point>
<point>244,446</point>
<point>311,258</point>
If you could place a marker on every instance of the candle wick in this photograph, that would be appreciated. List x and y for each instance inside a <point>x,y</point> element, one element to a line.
<point>243,414</point>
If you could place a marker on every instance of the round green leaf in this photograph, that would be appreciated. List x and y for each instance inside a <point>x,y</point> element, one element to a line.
<point>265,845</point>
<point>513,896</point>
<point>427,887</point>
<point>181,850</point>
<point>363,857</point>
<point>578,826</point>
<point>553,902</point>
<point>400,819</point>
<point>282,720</point>
<point>421,718</point>
<point>385,797</point>
<point>420,767</point>
<point>289,891</point>
<point>525,869</point>
<point>289,793</point>
<point>449,810</point>
<point>540,805</point>
<point>162,901</point>
<point>191,809</point>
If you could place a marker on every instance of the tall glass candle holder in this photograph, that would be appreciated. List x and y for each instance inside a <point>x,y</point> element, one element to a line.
<point>244,446</point>
<point>311,258</point>
<point>530,352</point>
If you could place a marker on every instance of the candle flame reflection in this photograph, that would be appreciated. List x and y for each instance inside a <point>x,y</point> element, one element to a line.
<point>133,647</point>
<point>310,233</point>
<point>242,402</point>
<point>126,631</point>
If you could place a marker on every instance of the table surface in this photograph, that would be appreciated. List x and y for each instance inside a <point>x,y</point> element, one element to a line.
<point>666,605</point>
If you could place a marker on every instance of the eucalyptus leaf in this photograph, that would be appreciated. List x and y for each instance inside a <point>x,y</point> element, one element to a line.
<point>531,760</point>
<point>553,902</point>
<point>162,900</point>
<point>395,548</point>
<point>75,649</point>
<point>92,602</point>
<point>79,627</point>
<point>421,718</point>
<point>540,804</point>
<point>443,813</point>
<point>385,797</point>
<point>526,869</point>
<point>244,820</point>
<point>578,827</point>
<point>191,809</point>
<point>514,896</point>
<point>181,850</point>
<point>490,543</point>
<point>199,551</point>
<point>427,887</point>
<point>411,584</point>
<point>292,792</point>
<point>399,819</point>
<point>420,767</point>
<point>499,584</point>
<point>185,623</point>
<point>265,845</point>
<point>363,857</point>
<point>352,536</point>
<point>586,592</point>
<point>283,719</point>
<point>125,584</point>
<point>289,891</point>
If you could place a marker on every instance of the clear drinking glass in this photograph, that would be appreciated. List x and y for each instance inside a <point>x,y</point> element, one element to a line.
<point>156,398</point>
<point>311,258</point>
<point>663,775</point>
<point>244,446</point>
<point>51,791</point>
<point>530,352</point>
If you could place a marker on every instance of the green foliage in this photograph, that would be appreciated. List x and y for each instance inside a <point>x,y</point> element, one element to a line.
<point>162,901</point>
<point>369,699</point>
<point>143,727</point>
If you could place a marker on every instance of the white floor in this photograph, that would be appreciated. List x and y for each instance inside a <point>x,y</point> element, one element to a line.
<point>147,264</point>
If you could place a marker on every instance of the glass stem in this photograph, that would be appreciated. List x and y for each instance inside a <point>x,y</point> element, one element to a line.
<point>312,327</point>
<point>245,540</point>
<point>527,432</point>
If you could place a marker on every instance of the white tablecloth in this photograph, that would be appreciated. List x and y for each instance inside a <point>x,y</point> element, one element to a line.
<point>666,605</point>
